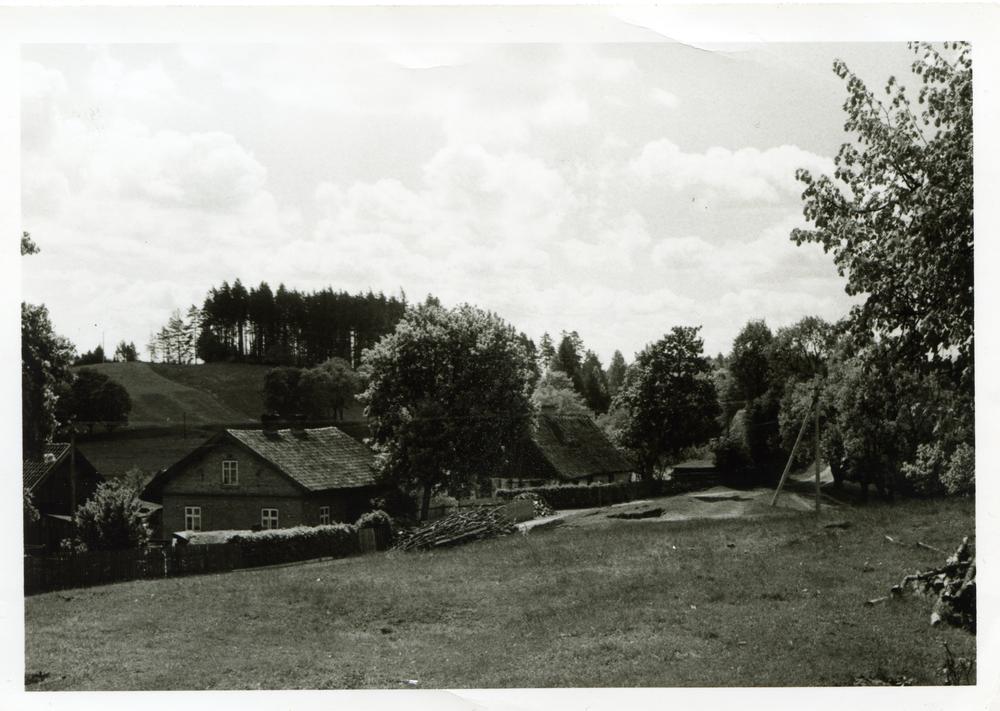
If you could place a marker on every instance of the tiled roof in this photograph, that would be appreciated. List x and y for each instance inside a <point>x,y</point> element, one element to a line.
<point>576,447</point>
<point>34,469</point>
<point>318,459</point>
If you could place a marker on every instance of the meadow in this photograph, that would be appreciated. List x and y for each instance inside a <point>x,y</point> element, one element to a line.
<point>723,603</point>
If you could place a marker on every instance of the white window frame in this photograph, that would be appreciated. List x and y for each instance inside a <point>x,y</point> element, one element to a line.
<point>268,519</point>
<point>324,515</point>
<point>192,518</point>
<point>230,472</point>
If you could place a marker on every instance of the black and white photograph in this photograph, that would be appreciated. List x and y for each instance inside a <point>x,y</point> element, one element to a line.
<point>459,352</point>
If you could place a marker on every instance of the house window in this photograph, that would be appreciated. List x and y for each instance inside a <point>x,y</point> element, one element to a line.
<point>192,518</point>
<point>229,473</point>
<point>268,519</point>
<point>324,515</point>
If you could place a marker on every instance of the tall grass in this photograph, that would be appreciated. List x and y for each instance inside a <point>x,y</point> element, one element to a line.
<point>630,604</point>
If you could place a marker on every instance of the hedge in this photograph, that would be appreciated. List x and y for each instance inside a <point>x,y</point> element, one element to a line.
<point>289,545</point>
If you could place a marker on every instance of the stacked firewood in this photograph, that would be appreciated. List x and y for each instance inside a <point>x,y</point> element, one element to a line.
<point>542,509</point>
<point>954,584</point>
<point>460,527</point>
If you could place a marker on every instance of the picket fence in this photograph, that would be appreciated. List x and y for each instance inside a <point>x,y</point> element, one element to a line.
<point>60,572</point>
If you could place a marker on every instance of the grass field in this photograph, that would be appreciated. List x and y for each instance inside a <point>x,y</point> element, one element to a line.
<point>161,399</point>
<point>726,603</point>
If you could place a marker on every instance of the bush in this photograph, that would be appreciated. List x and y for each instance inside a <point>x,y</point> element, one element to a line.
<point>111,520</point>
<point>731,458</point>
<point>960,477</point>
<point>397,504</point>
<point>923,477</point>
<point>374,519</point>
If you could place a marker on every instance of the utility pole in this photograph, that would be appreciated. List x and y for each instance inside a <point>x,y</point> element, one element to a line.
<point>816,447</point>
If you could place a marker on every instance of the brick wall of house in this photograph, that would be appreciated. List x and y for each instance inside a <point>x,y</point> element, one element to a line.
<point>230,507</point>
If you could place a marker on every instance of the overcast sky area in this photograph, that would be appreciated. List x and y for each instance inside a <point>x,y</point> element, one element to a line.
<point>615,190</point>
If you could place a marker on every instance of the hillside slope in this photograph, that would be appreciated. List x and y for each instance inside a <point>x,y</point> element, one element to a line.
<point>157,400</point>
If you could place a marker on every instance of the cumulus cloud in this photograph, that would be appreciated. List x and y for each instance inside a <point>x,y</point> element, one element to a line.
<point>109,79</point>
<point>41,89</point>
<point>664,97</point>
<point>747,174</point>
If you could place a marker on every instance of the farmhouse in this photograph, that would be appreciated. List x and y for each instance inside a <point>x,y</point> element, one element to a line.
<point>49,481</point>
<point>263,479</point>
<point>565,449</point>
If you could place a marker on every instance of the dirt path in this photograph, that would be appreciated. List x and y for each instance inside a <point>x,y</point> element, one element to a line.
<point>717,502</point>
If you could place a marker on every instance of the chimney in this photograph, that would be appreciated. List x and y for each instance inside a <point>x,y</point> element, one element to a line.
<point>270,423</point>
<point>298,425</point>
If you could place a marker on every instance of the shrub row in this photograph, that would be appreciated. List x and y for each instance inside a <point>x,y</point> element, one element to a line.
<point>594,495</point>
<point>290,545</point>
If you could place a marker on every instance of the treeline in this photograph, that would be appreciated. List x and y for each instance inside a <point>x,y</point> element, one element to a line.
<point>572,378</point>
<point>282,328</point>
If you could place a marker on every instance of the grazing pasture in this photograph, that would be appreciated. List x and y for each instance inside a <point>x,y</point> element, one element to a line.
<point>616,603</point>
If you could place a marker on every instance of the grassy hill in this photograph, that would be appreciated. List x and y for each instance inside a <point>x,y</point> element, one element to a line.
<point>162,397</point>
<point>174,409</point>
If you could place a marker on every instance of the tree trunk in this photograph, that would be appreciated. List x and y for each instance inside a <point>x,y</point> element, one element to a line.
<point>425,506</point>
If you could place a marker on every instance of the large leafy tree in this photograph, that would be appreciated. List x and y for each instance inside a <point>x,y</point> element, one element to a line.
<point>45,362</point>
<point>749,362</point>
<point>94,397</point>
<point>447,393</point>
<point>898,213</point>
<point>670,399</point>
<point>328,389</point>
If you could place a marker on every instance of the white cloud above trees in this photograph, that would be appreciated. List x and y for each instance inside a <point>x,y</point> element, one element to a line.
<point>563,187</point>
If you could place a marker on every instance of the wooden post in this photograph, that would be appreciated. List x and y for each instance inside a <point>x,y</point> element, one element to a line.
<point>816,448</point>
<point>72,482</point>
<point>788,466</point>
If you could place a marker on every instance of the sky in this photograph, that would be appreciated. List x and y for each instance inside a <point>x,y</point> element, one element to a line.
<point>612,189</point>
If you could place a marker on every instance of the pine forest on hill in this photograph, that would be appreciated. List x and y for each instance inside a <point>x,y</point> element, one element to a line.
<point>286,327</point>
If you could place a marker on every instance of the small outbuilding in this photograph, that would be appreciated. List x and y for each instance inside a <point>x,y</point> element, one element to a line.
<point>565,449</point>
<point>264,479</point>
<point>49,481</point>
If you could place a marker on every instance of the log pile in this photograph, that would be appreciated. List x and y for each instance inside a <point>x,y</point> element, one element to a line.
<point>954,585</point>
<point>542,509</point>
<point>459,527</point>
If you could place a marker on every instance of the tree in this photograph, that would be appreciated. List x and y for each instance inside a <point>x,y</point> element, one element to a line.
<point>328,389</point>
<point>900,221</point>
<point>546,353</point>
<point>447,394</point>
<point>126,352</point>
<point>749,362</point>
<point>555,389</point>
<point>110,520</point>
<point>595,384</point>
<point>568,359</point>
<point>670,399</point>
<point>93,357</point>
<point>27,245</point>
<point>281,391</point>
<point>94,397</point>
<point>616,374</point>
<point>45,362</point>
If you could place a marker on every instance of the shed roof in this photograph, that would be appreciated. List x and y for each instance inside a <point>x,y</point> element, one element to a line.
<point>35,469</point>
<point>576,447</point>
<point>318,459</point>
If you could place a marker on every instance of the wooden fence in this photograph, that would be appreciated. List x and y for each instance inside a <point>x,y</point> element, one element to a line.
<point>48,573</point>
